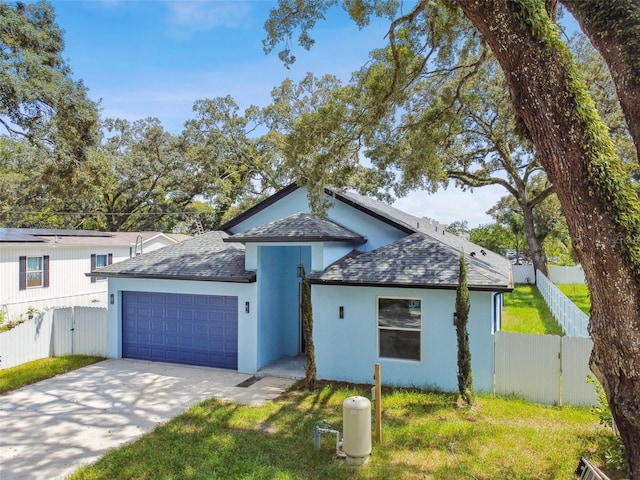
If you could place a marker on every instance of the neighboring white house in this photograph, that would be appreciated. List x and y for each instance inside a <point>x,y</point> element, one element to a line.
<point>383,288</point>
<point>44,268</point>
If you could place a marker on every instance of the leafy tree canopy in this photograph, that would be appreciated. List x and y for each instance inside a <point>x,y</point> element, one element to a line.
<point>39,100</point>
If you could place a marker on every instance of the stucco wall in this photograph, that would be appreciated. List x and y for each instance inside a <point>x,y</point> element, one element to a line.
<point>346,349</point>
<point>278,287</point>
<point>377,232</point>
<point>247,322</point>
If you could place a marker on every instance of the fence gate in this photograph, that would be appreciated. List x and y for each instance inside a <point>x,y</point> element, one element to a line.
<point>63,331</point>
<point>575,369</point>
<point>528,366</point>
<point>544,368</point>
<point>90,330</point>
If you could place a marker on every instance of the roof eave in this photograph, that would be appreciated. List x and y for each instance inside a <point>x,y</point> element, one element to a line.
<point>389,221</point>
<point>226,227</point>
<point>429,286</point>
<point>249,279</point>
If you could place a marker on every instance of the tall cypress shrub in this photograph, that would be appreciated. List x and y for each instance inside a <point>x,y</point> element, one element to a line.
<point>465,375</point>
<point>307,332</point>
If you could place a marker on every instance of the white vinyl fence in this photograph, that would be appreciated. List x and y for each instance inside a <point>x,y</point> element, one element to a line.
<point>61,331</point>
<point>560,274</point>
<point>574,322</point>
<point>557,274</point>
<point>544,368</point>
<point>523,274</point>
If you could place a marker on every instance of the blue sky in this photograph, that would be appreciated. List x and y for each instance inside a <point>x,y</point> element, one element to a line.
<point>155,58</point>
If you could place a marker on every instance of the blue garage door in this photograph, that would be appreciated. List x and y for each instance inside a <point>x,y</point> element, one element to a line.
<point>176,328</point>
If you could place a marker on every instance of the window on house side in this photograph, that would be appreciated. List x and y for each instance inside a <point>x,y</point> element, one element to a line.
<point>99,261</point>
<point>399,328</point>
<point>34,272</point>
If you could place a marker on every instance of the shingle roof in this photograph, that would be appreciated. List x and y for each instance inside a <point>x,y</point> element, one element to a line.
<point>204,257</point>
<point>428,257</point>
<point>403,220</point>
<point>299,227</point>
<point>415,261</point>
<point>405,262</point>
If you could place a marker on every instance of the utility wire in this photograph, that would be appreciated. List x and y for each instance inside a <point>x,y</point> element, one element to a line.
<point>13,212</point>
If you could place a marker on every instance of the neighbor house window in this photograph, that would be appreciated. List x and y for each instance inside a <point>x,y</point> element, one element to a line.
<point>34,272</point>
<point>98,261</point>
<point>399,328</point>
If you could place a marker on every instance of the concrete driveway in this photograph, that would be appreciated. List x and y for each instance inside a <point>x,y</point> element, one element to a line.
<point>49,429</point>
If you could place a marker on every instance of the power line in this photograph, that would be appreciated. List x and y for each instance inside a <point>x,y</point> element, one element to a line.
<point>12,212</point>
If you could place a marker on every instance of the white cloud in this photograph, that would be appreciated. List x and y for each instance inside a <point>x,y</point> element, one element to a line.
<point>186,17</point>
<point>453,204</point>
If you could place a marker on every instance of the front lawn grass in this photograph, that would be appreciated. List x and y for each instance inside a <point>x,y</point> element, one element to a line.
<point>579,294</point>
<point>525,311</point>
<point>425,436</point>
<point>32,372</point>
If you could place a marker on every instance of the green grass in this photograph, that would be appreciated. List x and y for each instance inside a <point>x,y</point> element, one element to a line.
<point>579,294</point>
<point>31,372</point>
<point>525,311</point>
<point>425,436</point>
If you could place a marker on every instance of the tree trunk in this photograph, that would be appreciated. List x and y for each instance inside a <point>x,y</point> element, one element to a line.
<point>602,210</point>
<point>614,29</point>
<point>536,249</point>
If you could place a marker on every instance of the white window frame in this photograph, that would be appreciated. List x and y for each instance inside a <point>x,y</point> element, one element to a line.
<point>39,271</point>
<point>409,329</point>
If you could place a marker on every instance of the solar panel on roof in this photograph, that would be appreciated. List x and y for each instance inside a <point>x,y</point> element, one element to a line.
<point>12,235</point>
<point>34,234</point>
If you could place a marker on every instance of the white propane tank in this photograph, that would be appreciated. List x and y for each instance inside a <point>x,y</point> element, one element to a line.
<point>356,425</point>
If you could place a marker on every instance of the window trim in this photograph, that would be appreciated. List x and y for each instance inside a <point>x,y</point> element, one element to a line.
<point>23,271</point>
<point>419,330</point>
<point>94,264</point>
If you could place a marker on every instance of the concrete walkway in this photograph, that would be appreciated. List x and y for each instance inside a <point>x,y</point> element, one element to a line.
<point>49,429</point>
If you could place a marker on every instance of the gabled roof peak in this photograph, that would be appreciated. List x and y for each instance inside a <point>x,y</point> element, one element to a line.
<point>298,227</point>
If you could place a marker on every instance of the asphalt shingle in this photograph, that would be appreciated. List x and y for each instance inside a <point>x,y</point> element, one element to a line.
<point>204,257</point>
<point>299,227</point>
<point>417,260</point>
<point>427,257</point>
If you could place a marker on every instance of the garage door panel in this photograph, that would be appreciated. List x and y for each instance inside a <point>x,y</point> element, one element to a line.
<point>186,299</point>
<point>171,329</point>
<point>217,330</point>
<point>141,312</point>
<point>142,297</point>
<point>154,298</point>
<point>203,301</point>
<point>190,329</point>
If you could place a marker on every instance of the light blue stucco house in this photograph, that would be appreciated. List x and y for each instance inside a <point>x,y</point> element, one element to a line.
<point>382,284</point>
